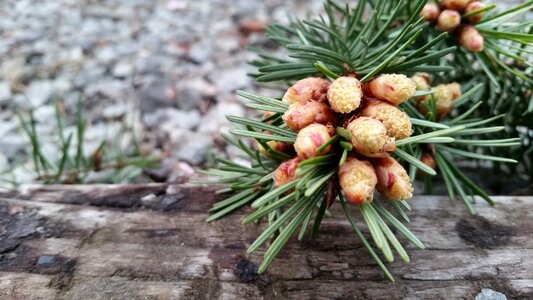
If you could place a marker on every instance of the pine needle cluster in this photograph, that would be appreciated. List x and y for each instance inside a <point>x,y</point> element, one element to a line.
<point>457,115</point>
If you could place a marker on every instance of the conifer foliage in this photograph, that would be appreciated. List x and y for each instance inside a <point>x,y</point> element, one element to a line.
<point>379,94</point>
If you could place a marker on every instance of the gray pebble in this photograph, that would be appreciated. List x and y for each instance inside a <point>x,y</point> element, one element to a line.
<point>193,147</point>
<point>488,294</point>
<point>156,94</point>
<point>200,52</point>
<point>228,81</point>
<point>170,118</point>
<point>122,69</point>
<point>46,259</point>
<point>110,89</point>
<point>3,162</point>
<point>216,122</point>
<point>12,68</point>
<point>38,92</point>
<point>192,92</point>
<point>5,92</point>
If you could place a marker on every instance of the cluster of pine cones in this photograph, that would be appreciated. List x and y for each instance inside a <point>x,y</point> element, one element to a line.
<point>368,112</point>
<point>449,17</point>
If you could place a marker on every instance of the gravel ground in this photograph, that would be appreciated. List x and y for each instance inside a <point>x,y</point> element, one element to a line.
<point>163,72</point>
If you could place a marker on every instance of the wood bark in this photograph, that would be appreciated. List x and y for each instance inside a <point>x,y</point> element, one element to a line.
<point>152,242</point>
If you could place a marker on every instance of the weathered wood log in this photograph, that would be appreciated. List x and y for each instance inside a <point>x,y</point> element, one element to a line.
<point>152,241</point>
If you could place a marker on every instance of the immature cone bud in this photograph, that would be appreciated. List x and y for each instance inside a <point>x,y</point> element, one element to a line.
<point>448,20</point>
<point>311,88</point>
<point>299,114</point>
<point>268,114</point>
<point>421,81</point>
<point>443,100</point>
<point>344,94</point>
<point>444,95</point>
<point>396,122</point>
<point>457,5</point>
<point>274,145</point>
<point>310,138</point>
<point>471,39</point>
<point>357,179</point>
<point>473,6</point>
<point>455,90</point>
<point>430,12</point>
<point>369,137</point>
<point>424,75</point>
<point>286,171</point>
<point>428,160</point>
<point>393,181</point>
<point>393,88</point>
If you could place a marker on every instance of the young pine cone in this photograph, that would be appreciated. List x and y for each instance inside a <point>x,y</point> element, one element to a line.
<point>455,90</point>
<point>393,88</point>
<point>473,6</point>
<point>357,179</point>
<point>428,160</point>
<point>268,114</point>
<point>286,171</point>
<point>369,137</point>
<point>299,115</point>
<point>448,20</point>
<point>310,138</point>
<point>396,122</point>
<point>311,88</point>
<point>344,94</point>
<point>471,39</point>
<point>421,81</point>
<point>457,5</point>
<point>430,12</point>
<point>444,95</point>
<point>393,181</point>
<point>283,147</point>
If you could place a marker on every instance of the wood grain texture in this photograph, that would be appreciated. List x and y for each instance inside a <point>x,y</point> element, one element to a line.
<point>152,242</point>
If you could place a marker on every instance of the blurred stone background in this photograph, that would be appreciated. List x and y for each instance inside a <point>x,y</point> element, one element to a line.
<point>162,72</point>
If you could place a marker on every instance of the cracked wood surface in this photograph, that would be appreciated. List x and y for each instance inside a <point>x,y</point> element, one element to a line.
<point>152,242</point>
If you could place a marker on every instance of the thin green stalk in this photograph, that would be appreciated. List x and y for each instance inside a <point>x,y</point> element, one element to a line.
<point>80,133</point>
<point>64,158</point>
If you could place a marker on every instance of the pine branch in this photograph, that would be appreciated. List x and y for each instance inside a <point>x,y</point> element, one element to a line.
<point>290,191</point>
<point>355,47</point>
